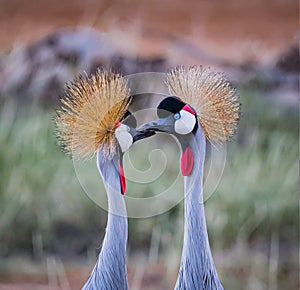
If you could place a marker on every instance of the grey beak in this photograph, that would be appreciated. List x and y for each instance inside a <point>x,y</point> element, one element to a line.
<point>159,125</point>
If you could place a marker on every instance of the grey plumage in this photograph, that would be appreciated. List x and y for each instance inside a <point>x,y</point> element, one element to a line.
<point>197,270</point>
<point>109,272</point>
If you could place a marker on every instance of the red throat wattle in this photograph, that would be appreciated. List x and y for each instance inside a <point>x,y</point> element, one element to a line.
<point>122,179</point>
<point>187,161</point>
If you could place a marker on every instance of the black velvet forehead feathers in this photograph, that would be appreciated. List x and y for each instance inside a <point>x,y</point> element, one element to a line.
<point>169,105</point>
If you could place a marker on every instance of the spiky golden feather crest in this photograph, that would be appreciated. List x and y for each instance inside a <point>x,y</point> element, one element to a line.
<point>211,95</point>
<point>91,108</point>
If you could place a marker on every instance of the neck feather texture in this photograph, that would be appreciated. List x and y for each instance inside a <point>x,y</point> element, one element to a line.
<point>109,272</point>
<point>197,270</point>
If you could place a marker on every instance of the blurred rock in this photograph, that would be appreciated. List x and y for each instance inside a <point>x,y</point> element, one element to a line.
<point>289,61</point>
<point>39,71</point>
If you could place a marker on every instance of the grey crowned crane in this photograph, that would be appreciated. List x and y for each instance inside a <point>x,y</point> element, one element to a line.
<point>94,119</point>
<point>202,105</point>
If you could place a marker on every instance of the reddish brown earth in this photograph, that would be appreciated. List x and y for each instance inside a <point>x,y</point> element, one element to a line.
<point>233,30</point>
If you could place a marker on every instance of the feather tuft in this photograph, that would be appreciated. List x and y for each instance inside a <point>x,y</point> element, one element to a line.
<point>91,108</point>
<point>211,95</point>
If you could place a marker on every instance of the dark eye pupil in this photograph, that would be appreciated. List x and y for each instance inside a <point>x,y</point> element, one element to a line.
<point>177,116</point>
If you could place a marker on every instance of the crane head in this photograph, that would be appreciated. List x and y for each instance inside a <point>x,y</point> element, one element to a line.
<point>180,120</point>
<point>175,117</point>
<point>94,118</point>
<point>204,99</point>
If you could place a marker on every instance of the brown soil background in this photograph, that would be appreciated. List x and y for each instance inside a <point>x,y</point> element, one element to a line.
<point>233,30</point>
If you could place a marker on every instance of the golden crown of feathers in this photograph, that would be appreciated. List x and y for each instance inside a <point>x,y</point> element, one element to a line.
<point>211,95</point>
<point>91,108</point>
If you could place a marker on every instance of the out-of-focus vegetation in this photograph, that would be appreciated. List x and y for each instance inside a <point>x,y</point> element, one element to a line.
<point>252,216</point>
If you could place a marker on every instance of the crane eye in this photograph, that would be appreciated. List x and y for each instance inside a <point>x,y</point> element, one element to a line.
<point>177,116</point>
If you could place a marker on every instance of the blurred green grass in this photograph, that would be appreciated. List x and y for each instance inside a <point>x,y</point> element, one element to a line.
<point>255,204</point>
<point>38,184</point>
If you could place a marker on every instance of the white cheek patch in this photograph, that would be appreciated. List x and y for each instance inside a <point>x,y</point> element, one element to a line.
<point>124,137</point>
<point>186,123</point>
